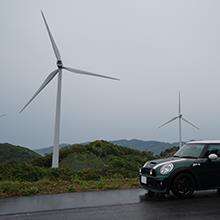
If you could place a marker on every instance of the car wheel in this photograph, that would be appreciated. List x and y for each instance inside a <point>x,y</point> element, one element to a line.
<point>150,193</point>
<point>183,186</point>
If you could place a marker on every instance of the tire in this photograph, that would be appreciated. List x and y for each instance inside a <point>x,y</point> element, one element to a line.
<point>183,186</point>
<point>150,193</point>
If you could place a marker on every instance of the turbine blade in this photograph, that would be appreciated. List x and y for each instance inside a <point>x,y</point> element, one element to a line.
<point>56,51</point>
<point>46,81</point>
<point>88,73</point>
<point>169,121</point>
<point>190,123</point>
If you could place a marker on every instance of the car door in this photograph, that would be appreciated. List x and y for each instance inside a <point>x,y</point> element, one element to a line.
<point>209,170</point>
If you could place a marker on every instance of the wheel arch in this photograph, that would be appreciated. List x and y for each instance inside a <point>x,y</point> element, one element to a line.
<point>184,171</point>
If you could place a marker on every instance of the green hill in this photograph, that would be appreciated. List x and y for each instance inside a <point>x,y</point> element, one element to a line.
<point>9,152</point>
<point>93,161</point>
<point>100,157</point>
<point>94,166</point>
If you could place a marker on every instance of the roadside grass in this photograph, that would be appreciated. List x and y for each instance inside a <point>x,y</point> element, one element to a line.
<point>46,186</point>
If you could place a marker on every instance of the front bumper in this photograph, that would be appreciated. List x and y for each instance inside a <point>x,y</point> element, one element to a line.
<point>154,183</point>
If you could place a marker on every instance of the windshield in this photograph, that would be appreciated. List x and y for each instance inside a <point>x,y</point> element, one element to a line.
<point>190,151</point>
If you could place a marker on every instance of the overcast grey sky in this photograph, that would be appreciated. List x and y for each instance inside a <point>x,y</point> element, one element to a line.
<point>156,48</point>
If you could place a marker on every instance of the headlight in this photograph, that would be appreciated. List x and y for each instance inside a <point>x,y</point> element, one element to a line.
<point>165,169</point>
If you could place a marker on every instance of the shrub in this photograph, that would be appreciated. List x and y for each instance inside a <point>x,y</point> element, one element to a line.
<point>62,174</point>
<point>21,171</point>
<point>89,174</point>
<point>9,187</point>
<point>71,189</point>
<point>29,190</point>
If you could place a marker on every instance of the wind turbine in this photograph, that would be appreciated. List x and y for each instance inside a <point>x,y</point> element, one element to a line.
<point>60,67</point>
<point>180,118</point>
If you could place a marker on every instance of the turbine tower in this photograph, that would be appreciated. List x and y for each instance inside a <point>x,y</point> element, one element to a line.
<point>60,67</point>
<point>180,118</point>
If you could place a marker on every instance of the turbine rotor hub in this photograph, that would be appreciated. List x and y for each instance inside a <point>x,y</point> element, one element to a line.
<point>180,116</point>
<point>59,64</point>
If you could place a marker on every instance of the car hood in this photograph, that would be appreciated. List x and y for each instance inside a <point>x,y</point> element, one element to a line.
<point>175,160</point>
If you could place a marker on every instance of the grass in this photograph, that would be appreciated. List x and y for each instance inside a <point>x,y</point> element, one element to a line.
<point>45,186</point>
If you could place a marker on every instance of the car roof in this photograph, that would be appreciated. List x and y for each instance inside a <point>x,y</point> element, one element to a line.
<point>204,142</point>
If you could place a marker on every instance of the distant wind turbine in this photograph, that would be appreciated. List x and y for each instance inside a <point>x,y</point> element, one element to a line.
<point>60,67</point>
<point>180,117</point>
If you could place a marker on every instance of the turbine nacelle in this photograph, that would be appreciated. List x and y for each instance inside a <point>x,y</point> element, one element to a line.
<point>181,118</point>
<point>59,64</point>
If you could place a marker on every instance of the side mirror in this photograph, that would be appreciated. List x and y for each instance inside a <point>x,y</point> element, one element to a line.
<point>212,156</point>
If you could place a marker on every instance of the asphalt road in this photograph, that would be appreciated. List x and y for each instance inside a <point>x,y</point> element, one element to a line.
<point>115,204</point>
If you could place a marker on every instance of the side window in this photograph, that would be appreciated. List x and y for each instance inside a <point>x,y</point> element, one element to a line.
<point>213,149</point>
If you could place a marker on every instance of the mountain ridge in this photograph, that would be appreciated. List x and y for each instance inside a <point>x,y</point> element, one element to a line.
<point>154,146</point>
<point>137,144</point>
<point>47,150</point>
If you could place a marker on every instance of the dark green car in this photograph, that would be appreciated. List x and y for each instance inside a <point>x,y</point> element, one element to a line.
<point>195,166</point>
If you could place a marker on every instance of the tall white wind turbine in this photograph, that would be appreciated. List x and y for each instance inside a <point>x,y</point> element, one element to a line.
<point>60,67</point>
<point>180,118</point>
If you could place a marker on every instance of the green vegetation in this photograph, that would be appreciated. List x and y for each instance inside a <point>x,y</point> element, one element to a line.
<point>10,152</point>
<point>95,166</point>
<point>101,158</point>
<point>44,186</point>
<point>169,152</point>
